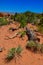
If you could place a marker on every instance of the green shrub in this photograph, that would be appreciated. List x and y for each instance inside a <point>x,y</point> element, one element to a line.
<point>38,47</point>
<point>22,33</point>
<point>33,46</point>
<point>18,50</point>
<point>22,23</point>
<point>40,29</point>
<point>11,54</point>
<point>3,21</point>
<point>40,25</point>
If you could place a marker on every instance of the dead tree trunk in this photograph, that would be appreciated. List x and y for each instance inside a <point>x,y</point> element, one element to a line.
<point>31,36</point>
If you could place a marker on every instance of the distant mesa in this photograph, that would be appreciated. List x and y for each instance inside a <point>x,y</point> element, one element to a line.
<point>4,14</point>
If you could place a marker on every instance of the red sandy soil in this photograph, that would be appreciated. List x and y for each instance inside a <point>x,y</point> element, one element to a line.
<point>28,57</point>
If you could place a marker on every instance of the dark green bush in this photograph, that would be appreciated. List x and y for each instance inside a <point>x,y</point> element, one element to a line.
<point>22,23</point>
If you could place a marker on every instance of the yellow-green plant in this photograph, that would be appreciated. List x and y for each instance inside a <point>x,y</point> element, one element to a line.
<point>33,46</point>
<point>13,52</point>
<point>3,21</point>
<point>18,50</point>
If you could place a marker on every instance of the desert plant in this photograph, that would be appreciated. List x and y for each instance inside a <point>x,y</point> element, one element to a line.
<point>22,23</point>
<point>14,52</point>
<point>22,33</point>
<point>40,25</point>
<point>31,45</point>
<point>40,29</point>
<point>11,54</point>
<point>38,47</point>
<point>3,21</point>
<point>18,50</point>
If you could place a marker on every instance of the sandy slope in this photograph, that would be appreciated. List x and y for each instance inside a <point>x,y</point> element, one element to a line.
<point>28,58</point>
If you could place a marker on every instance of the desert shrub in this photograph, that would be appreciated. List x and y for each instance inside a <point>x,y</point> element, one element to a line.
<point>17,17</point>
<point>22,33</point>
<point>36,47</point>
<point>31,45</point>
<point>22,23</point>
<point>41,48</point>
<point>11,54</point>
<point>18,50</point>
<point>21,18</point>
<point>3,21</point>
<point>40,25</point>
<point>40,29</point>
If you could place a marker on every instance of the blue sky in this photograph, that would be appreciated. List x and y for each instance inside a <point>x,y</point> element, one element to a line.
<point>21,5</point>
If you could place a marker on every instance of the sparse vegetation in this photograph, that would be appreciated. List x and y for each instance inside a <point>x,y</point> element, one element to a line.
<point>3,21</point>
<point>31,45</point>
<point>35,47</point>
<point>14,52</point>
<point>18,50</point>
<point>22,33</point>
<point>40,25</point>
<point>11,54</point>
